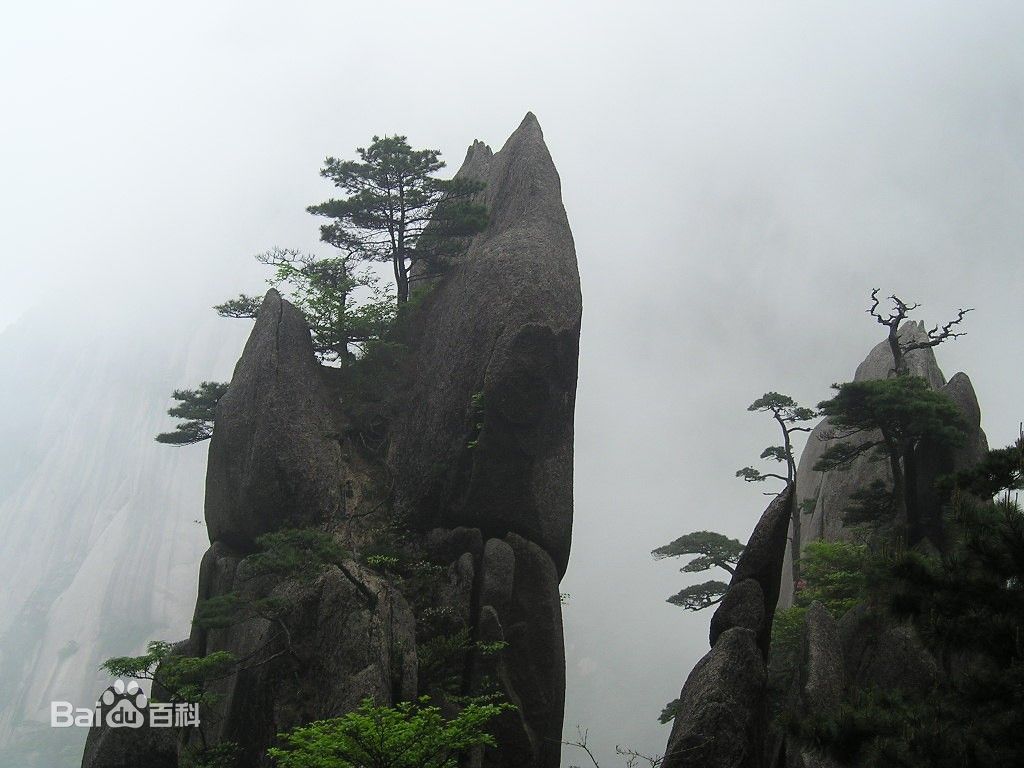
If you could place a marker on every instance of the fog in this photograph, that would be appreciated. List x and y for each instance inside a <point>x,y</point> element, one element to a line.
<point>737,177</point>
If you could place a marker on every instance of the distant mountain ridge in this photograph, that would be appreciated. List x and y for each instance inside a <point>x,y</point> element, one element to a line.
<point>99,541</point>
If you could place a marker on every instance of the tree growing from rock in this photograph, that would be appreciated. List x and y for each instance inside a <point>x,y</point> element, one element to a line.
<point>900,347</point>
<point>967,608</point>
<point>712,550</point>
<point>887,419</point>
<point>789,415</point>
<point>397,211</point>
<point>345,309</point>
<point>197,407</point>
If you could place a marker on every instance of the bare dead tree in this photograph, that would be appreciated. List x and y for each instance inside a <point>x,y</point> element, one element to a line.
<point>901,347</point>
<point>633,757</point>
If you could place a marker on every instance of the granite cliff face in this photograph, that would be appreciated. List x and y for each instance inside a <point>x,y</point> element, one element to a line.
<point>472,461</point>
<point>503,328</point>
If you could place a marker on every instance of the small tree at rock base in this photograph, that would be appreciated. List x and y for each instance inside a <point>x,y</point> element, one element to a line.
<point>407,735</point>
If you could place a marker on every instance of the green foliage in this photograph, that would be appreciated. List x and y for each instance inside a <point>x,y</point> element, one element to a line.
<point>244,306</point>
<point>298,554</point>
<point>295,553</point>
<point>967,606</point>
<point>839,575</point>
<point>700,596</point>
<point>888,419</point>
<point>407,735</point>
<point>183,677</point>
<point>1000,470</point>
<point>904,409</point>
<point>782,406</point>
<point>397,211</point>
<point>381,561</point>
<point>345,310</point>
<point>836,574</point>
<point>713,550</point>
<point>198,408</point>
<point>785,410</point>
<point>871,506</point>
<point>670,711</point>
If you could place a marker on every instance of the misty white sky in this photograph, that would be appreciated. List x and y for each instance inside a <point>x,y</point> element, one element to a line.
<point>738,177</point>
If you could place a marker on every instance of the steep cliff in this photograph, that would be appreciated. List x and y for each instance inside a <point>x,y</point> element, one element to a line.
<point>723,707</point>
<point>465,474</point>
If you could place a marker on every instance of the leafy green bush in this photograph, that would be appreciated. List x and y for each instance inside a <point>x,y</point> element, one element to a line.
<point>407,735</point>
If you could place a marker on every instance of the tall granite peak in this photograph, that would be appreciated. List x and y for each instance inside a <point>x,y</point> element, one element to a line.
<point>823,497</point>
<point>273,460</point>
<point>472,478</point>
<point>921,362</point>
<point>485,436</point>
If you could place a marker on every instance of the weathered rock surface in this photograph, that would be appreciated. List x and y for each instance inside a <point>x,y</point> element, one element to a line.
<point>478,477</point>
<point>761,562</point>
<point>274,457</point>
<point>743,606</point>
<point>885,655</point>
<point>822,676</point>
<point>534,664</point>
<point>496,343</point>
<point>721,708</point>
<point>130,748</point>
<point>824,497</point>
<point>722,715</point>
<point>347,637</point>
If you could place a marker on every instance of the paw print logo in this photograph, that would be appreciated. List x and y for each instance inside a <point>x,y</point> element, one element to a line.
<point>123,706</point>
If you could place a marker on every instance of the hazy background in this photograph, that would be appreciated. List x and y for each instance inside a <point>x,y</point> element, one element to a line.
<point>737,178</point>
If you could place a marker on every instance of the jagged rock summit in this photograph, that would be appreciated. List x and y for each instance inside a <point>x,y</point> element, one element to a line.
<point>486,432</point>
<point>824,496</point>
<point>474,465</point>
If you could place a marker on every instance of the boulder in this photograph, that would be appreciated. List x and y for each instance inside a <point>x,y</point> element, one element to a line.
<point>484,431</point>
<point>531,670</point>
<point>497,574</point>
<point>721,708</point>
<point>130,748</point>
<point>975,446</point>
<point>446,545</point>
<point>274,458</point>
<point>346,637</point>
<point>743,606</point>
<point>822,673</point>
<point>761,561</point>
<point>890,656</point>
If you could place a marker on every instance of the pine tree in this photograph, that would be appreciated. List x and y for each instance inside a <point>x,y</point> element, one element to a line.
<point>397,211</point>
